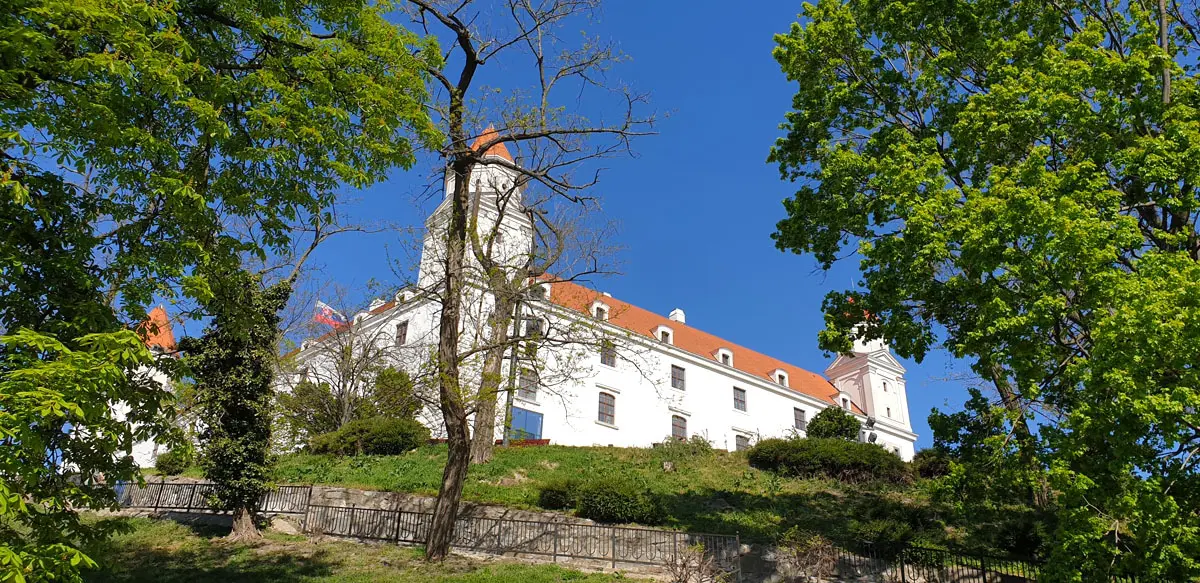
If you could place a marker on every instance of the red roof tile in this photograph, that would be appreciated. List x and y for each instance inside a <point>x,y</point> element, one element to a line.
<point>640,321</point>
<point>497,149</point>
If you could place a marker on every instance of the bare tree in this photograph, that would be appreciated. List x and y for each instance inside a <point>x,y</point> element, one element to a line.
<point>551,144</point>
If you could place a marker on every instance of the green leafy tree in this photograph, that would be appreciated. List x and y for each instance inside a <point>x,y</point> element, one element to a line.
<point>233,364</point>
<point>134,135</point>
<point>833,422</point>
<point>1019,180</point>
<point>394,395</point>
<point>311,408</point>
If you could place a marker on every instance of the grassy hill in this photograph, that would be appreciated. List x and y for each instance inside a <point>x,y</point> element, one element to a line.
<point>707,491</point>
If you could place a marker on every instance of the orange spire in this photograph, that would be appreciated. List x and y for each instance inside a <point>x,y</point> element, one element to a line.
<point>496,150</point>
<point>157,329</point>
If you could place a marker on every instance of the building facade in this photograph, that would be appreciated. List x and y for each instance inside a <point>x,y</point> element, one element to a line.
<point>608,372</point>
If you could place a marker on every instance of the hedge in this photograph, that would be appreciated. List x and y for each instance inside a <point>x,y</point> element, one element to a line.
<point>847,461</point>
<point>372,436</point>
<point>173,462</point>
<point>617,500</point>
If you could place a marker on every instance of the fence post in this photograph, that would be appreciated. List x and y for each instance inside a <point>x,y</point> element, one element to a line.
<point>399,516</point>
<point>350,528</point>
<point>554,555</point>
<point>307,508</point>
<point>162,485</point>
<point>903,556</point>
<point>613,535</point>
<point>983,567</point>
<point>499,543</point>
<point>737,552</point>
<point>192,494</point>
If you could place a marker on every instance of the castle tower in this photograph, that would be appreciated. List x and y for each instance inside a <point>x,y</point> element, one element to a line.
<point>874,380</point>
<point>495,196</point>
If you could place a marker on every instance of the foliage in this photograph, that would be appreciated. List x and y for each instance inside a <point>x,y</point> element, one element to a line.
<point>233,365</point>
<point>692,565</point>
<point>174,461</point>
<point>931,462</point>
<point>372,436</point>
<point>1019,181</point>
<point>309,408</point>
<point>618,499</point>
<point>559,493</point>
<point>807,554</point>
<point>393,394</point>
<point>133,134</point>
<point>162,551</point>
<point>675,449</point>
<point>59,432</point>
<point>884,538</point>
<point>833,422</point>
<point>847,461</point>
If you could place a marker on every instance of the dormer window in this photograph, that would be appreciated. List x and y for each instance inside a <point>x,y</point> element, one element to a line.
<point>846,403</point>
<point>538,291</point>
<point>600,311</point>
<point>780,376</point>
<point>664,335</point>
<point>725,356</point>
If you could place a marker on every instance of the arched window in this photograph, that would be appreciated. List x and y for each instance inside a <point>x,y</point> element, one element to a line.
<point>678,427</point>
<point>608,409</point>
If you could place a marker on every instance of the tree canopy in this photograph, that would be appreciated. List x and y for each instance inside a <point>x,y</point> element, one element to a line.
<point>1019,181</point>
<point>147,146</point>
<point>835,423</point>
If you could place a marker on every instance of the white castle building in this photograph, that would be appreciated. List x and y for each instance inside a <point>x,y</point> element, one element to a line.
<point>611,373</point>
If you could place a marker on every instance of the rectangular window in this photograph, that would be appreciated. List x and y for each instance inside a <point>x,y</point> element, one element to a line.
<point>533,327</point>
<point>677,380</point>
<point>739,399</point>
<point>889,412</point>
<point>800,419</point>
<point>608,353</point>
<point>725,359</point>
<point>678,427</point>
<point>608,409</point>
<point>601,313</point>
<point>741,443</point>
<point>665,336</point>
<point>401,333</point>
<point>529,385</point>
<point>536,292</point>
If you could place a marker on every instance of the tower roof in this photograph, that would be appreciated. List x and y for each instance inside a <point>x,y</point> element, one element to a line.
<point>157,330</point>
<point>497,149</point>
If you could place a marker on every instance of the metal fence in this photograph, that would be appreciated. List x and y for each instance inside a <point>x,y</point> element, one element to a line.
<point>194,497</point>
<point>611,544</point>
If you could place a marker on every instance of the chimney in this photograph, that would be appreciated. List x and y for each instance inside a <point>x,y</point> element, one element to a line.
<point>606,294</point>
<point>677,315</point>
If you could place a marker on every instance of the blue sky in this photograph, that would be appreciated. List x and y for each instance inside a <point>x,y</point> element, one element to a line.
<point>698,204</point>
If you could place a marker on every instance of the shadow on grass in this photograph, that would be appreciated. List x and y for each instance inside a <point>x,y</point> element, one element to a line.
<point>187,554</point>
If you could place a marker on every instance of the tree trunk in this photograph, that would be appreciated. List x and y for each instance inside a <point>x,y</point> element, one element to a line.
<point>484,441</point>
<point>244,528</point>
<point>1026,444</point>
<point>450,395</point>
<point>445,512</point>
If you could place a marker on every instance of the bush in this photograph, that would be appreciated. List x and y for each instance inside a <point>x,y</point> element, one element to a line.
<point>931,463</point>
<point>885,539</point>
<point>173,462</point>
<point>618,500</point>
<point>676,449</point>
<point>372,436</point>
<point>848,461</point>
<point>833,422</point>
<point>559,494</point>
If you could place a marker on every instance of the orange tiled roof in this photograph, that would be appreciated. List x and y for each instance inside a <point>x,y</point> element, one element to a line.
<point>497,149</point>
<point>157,330</point>
<point>640,321</point>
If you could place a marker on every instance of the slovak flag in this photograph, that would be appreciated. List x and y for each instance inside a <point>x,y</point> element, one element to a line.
<point>329,316</point>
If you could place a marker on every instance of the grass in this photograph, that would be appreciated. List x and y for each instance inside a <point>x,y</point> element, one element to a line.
<point>160,551</point>
<point>714,492</point>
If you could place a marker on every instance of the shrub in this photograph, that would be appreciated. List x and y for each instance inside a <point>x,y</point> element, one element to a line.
<point>173,462</point>
<point>372,436</point>
<point>883,538</point>
<point>848,461</point>
<point>676,449</point>
<point>618,500</point>
<point>931,463</point>
<point>559,494</point>
<point>833,422</point>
